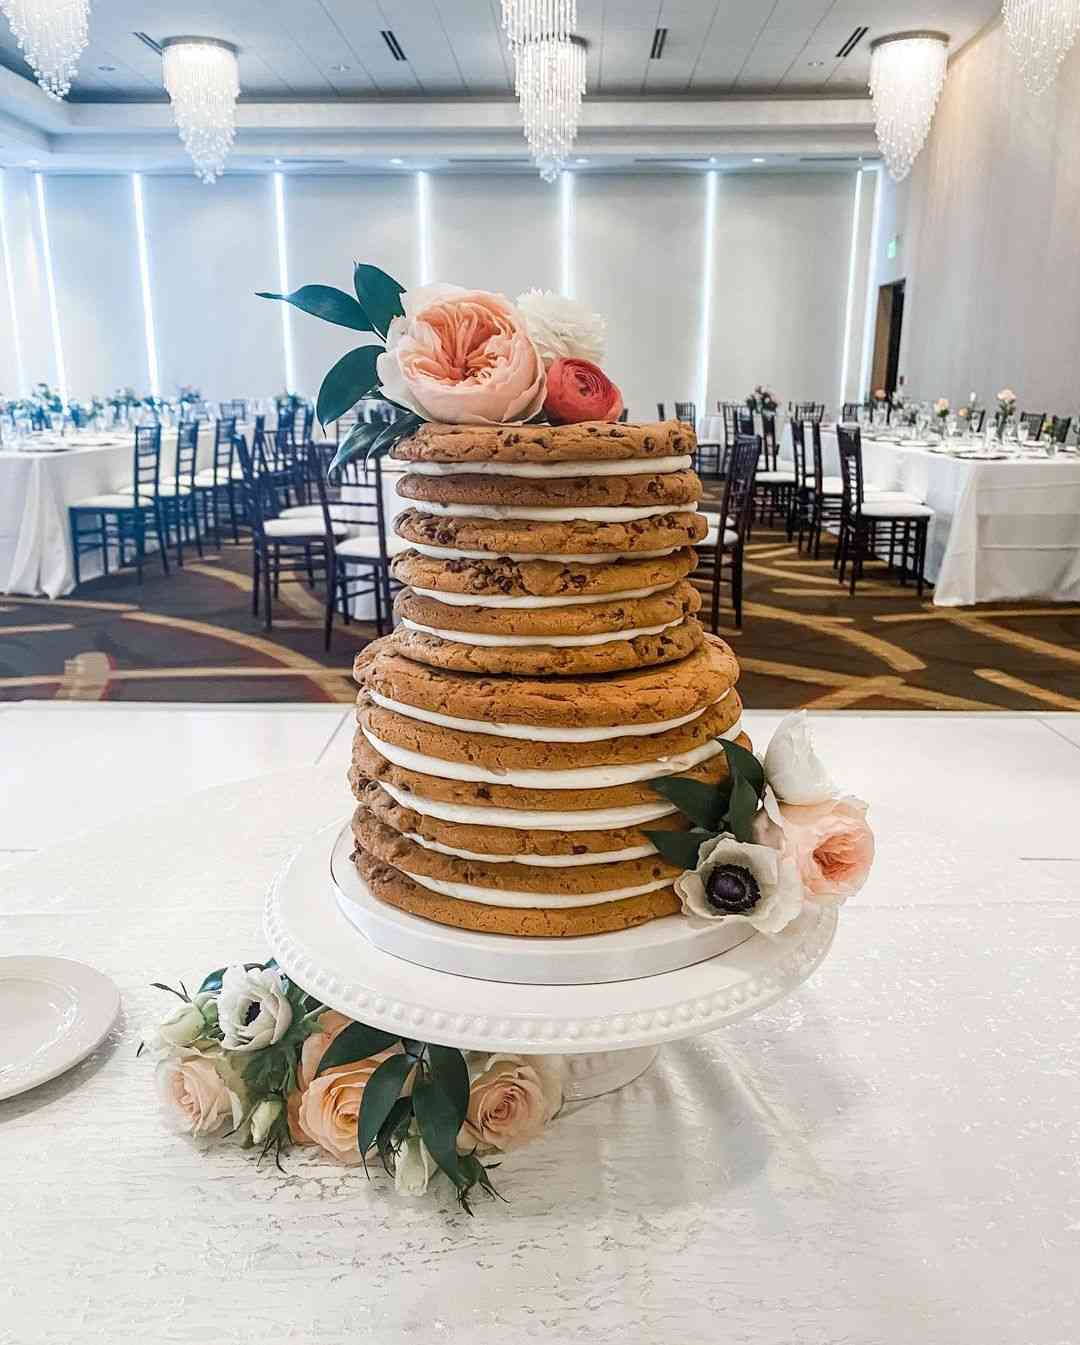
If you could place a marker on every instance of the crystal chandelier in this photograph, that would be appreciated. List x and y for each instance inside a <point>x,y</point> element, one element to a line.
<point>907,72</point>
<point>549,77</point>
<point>52,35</point>
<point>202,79</point>
<point>1040,33</point>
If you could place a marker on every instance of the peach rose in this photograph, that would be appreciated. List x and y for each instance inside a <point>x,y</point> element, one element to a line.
<point>319,1109</point>
<point>463,357</point>
<point>311,1054</point>
<point>832,846</point>
<point>577,391</point>
<point>512,1101</point>
<point>195,1096</point>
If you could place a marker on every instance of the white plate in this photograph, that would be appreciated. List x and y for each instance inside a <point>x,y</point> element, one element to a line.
<point>54,1014</point>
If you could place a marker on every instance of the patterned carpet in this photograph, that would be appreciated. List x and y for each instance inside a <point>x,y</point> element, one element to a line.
<point>191,637</point>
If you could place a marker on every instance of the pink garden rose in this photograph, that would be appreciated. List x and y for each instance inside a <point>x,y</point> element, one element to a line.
<point>324,1110</point>
<point>195,1096</point>
<point>832,846</point>
<point>463,357</point>
<point>512,1101</point>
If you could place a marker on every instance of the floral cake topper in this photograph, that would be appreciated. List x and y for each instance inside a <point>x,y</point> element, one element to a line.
<point>459,357</point>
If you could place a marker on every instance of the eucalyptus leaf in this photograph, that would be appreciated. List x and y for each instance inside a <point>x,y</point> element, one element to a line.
<point>701,802</point>
<point>357,441</point>
<point>393,1130</point>
<point>351,378</point>
<point>398,429</point>
<point>450,1072</point>
<point>379,295</point>
<point>744,763</point>
<point>380,1094</point>
<point>328,303</point>
<point>436,1114</point>
<point>680,847</point>
<point>356,1042</point>
<point>742,808</point>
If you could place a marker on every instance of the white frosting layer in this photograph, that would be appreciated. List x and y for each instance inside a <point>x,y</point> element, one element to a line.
<point>529,732</point>
<point>528,641</point>
<point>585,777</point>
<point>540,861</point>
<point>531,602</point>
<point>544,470</point>
<point>593,513</point>
<point>524,819</point>
<point>594,558</point>
<point>555,901</point>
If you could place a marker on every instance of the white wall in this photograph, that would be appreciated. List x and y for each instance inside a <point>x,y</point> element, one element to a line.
<point>782,249</point>
<point>991,223</point>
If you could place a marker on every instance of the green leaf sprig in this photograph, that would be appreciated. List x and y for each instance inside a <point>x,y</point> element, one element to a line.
<point>729,806</point>
<point>438,1102</point>
<point>355,375</point>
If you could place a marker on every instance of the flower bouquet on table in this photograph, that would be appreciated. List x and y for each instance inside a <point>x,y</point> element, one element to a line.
<point>763,400</point>
<point>941,414</point>
<point>251,1056</point>
<point>458,356</point>
<point>1006,409</point>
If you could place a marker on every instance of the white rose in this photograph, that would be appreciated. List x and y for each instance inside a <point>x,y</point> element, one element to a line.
<point>793,769</point>
<point>195,1096</point>
<point>253,1010</point>
<point>263,1118</point>
<point>735,880</point>
<point>414,1165</point>
<point>187,1022</point>
<point>562,328</point>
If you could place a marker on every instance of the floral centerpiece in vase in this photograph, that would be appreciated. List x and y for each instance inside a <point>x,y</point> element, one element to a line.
<point>763,400</point>
<point>1006,409</point>
<point>941,414</point>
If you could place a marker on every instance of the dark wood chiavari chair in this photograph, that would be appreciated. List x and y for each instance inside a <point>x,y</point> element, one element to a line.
<point>774,485</point>
<point>721,554</point>
<point>120,519</point>
<point>862,519</point>
<point>178,494</point>
<point>661,413</point>
<point>687,413</point>
<point>1059,429</point>
<point>1034,420</point>
<point>293,547</point>
<point>218,485</point>
<point>360,563</point>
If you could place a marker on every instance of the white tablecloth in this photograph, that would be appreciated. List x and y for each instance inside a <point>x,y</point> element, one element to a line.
<point>36,490</point>
<point>886,1157</point>
<point>1002,530</point>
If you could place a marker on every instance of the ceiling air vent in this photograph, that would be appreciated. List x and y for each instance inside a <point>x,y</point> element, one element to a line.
<point>306,163</point>
<point>395,46</point>
<point>830,158</point>
<point>490,163</point>
<point>669,162</point>
<point>852,42</point>
<point>658,40</point>
<point>148,41</point>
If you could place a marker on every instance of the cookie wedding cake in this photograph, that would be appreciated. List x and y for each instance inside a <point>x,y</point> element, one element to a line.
<point>547,667</point>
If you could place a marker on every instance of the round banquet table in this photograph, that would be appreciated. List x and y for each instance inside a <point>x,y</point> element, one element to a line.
<point>888,1155</point>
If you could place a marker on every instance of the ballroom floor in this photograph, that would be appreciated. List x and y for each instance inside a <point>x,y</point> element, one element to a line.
<point>191,637</point>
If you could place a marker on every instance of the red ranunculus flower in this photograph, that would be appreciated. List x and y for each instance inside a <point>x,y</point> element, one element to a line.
<point>577,391</point>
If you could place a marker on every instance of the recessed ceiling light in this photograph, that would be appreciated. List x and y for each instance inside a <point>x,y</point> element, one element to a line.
<point>757,160</point>
<point>31,163</point>
<point>581,161</point>
<point>815,64</point>
<point>712,158</point>
<point>397,162</point>
<point>338,69</point>
<point>278,163</point>
<point>106,69</point>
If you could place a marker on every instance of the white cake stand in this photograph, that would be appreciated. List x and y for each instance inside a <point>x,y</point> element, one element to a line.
<point>610,1031</point>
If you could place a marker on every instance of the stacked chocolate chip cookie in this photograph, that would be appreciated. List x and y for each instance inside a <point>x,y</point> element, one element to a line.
<point>547,666</point>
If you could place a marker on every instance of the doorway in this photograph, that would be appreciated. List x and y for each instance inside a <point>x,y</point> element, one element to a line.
<point>890,319</point>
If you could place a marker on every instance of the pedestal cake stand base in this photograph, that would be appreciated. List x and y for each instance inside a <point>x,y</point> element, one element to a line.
<point>612,1027</point>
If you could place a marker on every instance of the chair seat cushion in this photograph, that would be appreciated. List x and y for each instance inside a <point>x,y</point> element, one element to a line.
<point>366,547</point>
<point>206,476</point>
<point>299,529</point>
<point>340,513</point>
<point>116,500</point>
<point>167,489</point>
<point>780,477</point>
<point>730,537</point>
<point>895,508</point>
